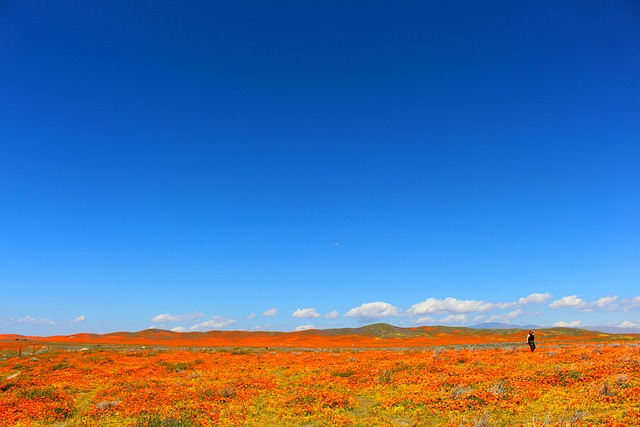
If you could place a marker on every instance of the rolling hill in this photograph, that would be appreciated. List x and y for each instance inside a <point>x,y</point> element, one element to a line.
<point>380,335</point>
<point>595,328</point>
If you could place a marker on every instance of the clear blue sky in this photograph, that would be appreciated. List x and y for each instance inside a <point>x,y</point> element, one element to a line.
<point>281,165</point>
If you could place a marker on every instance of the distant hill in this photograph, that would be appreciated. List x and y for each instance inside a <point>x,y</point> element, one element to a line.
<point>496,325</point>
<point>612,329</point>
<point>379,335</point>
<point>594,328</point>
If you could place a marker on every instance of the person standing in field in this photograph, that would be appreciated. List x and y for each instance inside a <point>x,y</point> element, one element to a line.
<point>531,341</point>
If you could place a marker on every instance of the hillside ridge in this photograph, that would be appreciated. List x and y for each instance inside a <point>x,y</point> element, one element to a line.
<point>377,335</point>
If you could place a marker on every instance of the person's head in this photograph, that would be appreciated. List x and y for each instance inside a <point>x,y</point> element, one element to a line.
<point>531,332</point>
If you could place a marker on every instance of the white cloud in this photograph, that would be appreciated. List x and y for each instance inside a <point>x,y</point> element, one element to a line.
<point>305,328</point>
<point>574,324</point>
<point>604,301</point>
<point>627,324</point>
<point>332,314</point>
<point>305,313</point>
<point>423,320</point>
<point>449,305</point>
<point>478,318</point>
<point>165,317</point>
<point>160,318</point>
<point>373,310</point>
<point>79,319</point>
<point>631,304</point>
<point>534,299</point>
<point>454,319</point>
<point>216,322</point>
<point>537,298</point>
<point>270,312</point>
<point>28,319</point>
<point>571,301</point>
<point>178,329</point>
<point>512,315</point>
<point>33,321</point>
<point>251,316</point>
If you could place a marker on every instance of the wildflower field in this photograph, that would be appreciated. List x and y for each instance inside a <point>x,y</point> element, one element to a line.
<point>564,384</point>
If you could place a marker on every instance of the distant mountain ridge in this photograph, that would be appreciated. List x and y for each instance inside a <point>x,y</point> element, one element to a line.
<point>594,328</point>
<point>611,329</point>
<point>497,325</point>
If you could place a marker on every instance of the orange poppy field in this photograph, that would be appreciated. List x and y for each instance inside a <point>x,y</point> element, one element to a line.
<point>384,378</point>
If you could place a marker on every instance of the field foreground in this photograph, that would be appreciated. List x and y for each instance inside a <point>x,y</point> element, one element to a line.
<point>571,384</point>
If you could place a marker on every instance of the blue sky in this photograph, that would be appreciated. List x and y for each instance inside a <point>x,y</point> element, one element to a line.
<point>280,166</point>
